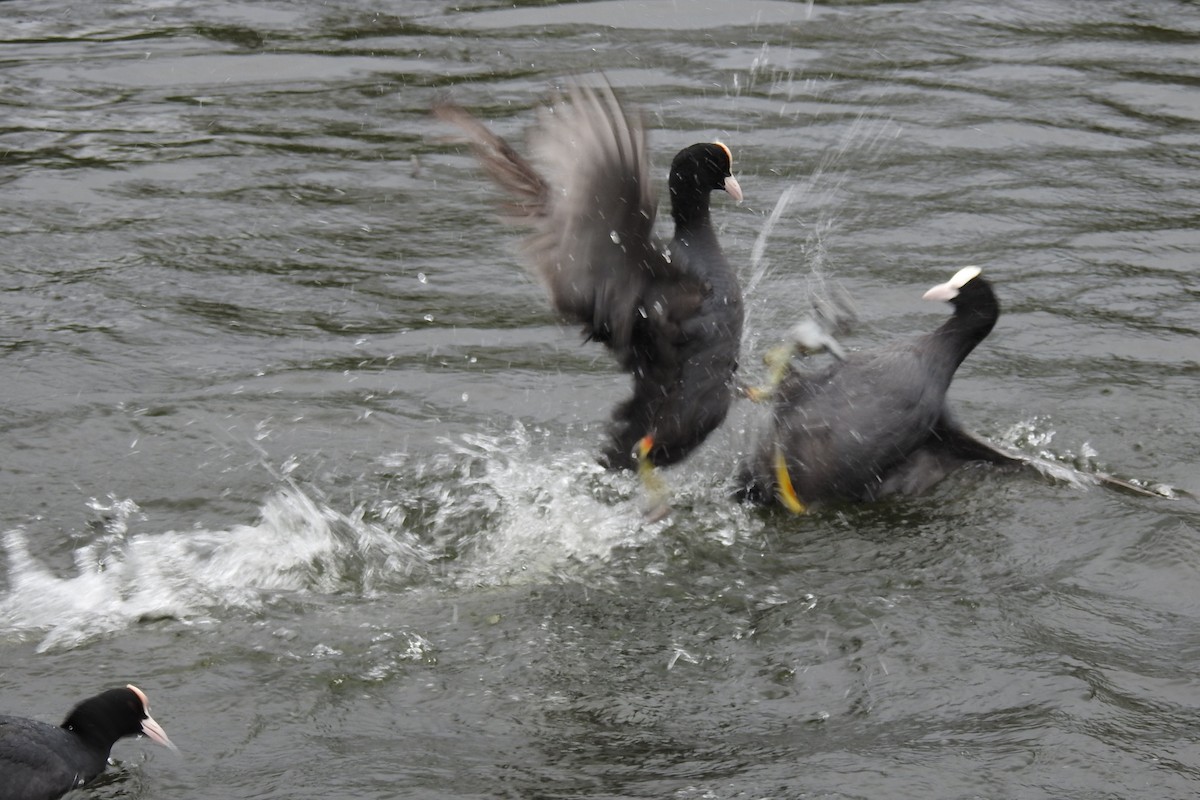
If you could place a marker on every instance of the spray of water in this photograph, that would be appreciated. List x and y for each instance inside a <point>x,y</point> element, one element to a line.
<point>512,511</point>
<point>816,201</point>
<point>297,545</point>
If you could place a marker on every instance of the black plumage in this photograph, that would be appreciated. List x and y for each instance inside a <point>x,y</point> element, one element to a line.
<point>39,761</point>
<point>672,316</point>
<point>876,423</point>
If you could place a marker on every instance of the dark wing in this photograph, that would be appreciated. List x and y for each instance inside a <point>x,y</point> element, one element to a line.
<point>955,441</point>
<point>591,208</point>
<point>528,193</point>
<point>949,447</point>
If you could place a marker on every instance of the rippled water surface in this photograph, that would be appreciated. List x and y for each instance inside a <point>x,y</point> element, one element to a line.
<point>292,441</point>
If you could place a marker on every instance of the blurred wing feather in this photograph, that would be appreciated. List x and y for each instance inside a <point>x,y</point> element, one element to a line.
<point>591,208</point>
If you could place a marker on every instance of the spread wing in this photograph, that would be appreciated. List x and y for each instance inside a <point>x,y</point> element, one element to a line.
<point>590,206</point>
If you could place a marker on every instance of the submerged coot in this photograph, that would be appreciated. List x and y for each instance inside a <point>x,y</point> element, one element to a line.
<point>39,761</point>
<point>875,423</point>
<point>671,316</point>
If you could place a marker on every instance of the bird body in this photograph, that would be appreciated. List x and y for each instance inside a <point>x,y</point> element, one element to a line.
<point>671,315</point>
<point>876,423</point>
<point>892,414</point>
<point>39,761</point>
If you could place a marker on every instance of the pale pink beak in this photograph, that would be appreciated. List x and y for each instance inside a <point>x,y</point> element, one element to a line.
<point>733,187</point>
<point>155,732</point>
<point>149,727</point>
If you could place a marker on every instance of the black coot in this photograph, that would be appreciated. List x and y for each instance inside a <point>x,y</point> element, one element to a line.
<point>876,423</point>
<point>672,315</point>
<point>39,761</point>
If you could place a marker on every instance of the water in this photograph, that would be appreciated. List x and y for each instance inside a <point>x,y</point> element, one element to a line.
<point>292,442</point>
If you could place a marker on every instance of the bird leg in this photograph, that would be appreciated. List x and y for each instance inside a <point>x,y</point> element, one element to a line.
<point>658,503</point>
<point>777,361</point>
<point>783,484</point>
<point>807,337</point>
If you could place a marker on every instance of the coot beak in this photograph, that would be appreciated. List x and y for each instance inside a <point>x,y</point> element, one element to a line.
<point>155,732</point>
<point>943,291</point>
<point>949,290</point>
<point>733,187</point>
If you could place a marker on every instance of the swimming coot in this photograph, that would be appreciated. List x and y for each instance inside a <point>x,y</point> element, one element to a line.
<point>39,761</point>
<point>672,316</point>
<point>875,423</point>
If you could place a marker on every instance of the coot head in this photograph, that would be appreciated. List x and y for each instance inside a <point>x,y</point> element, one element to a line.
<point>697,171</point>
<point>976,310</point>
<point>112,715</point>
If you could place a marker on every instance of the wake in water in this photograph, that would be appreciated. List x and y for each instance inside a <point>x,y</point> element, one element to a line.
<point>1079,470</point>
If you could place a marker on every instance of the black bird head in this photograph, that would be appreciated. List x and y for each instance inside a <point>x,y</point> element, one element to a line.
<point>696,171</point>
<point>968,292</point>
<point>976,310</point>
<point>102,720</point>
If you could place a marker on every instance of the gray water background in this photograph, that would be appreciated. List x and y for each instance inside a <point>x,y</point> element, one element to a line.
<point>290,440</point>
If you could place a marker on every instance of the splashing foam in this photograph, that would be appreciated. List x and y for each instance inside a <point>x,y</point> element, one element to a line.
<point>297,545</point>
<point>549,516</point>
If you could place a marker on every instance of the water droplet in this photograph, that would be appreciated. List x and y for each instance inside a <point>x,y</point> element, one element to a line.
<point>465,397</point>
<point>616,237</point>
<point>428,317</point>
<point>422,277</point>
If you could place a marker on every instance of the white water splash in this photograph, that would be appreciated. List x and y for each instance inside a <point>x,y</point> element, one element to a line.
<point>297,545</point>
<point>547,515</point>
<point>514,510</point>
<point>816,201</point>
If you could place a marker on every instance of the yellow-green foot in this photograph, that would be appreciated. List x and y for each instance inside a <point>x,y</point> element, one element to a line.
<point>783,484</point>
<point>658,496</point>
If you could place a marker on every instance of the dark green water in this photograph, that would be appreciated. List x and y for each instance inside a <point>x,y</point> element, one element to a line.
<point>291,441</point>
